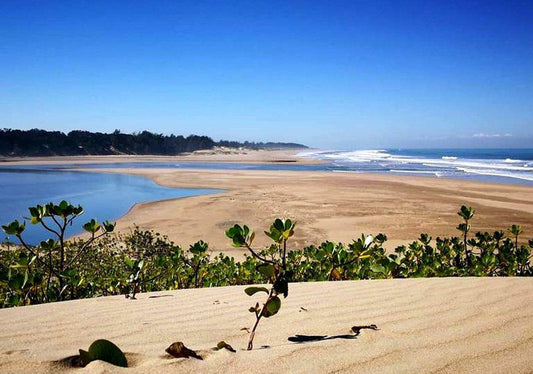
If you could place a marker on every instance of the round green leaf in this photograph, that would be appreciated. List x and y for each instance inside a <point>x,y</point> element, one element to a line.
<point>266,270</point>
<point>106,351</point>
<point>272,307</point>
<point>253,290</point>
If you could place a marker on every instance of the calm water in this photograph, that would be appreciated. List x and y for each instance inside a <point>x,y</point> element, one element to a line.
<point>103,196</point>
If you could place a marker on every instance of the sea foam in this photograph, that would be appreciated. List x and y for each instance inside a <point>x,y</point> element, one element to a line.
<point>420,162</point>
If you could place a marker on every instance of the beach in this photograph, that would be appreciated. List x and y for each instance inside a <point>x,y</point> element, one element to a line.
<point>446,325</point>
<point>432,325</point>
<point>317,187</point>
<point>325,205</point>
<point>218,154</point>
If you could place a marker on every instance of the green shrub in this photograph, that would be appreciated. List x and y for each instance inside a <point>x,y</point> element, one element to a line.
<point>144,261</point>
<point>53,258</point>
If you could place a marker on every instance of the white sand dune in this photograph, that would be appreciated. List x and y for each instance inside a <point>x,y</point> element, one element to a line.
<point>450,325</point>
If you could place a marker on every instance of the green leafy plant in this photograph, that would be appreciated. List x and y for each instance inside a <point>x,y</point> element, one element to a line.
<point>51,254</point>
<point>273,269</point>
<point>339,258</point>
<point>466,213</point>
<point>223,345</point>
<point>134,279</point>
<point>103,350</point>
<point>197,262</point>
<point>515,230</point>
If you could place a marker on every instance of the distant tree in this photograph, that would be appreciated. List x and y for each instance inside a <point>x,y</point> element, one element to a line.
<point>37,142</point>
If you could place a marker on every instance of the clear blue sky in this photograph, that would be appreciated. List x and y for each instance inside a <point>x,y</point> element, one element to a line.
<point>351,74</point>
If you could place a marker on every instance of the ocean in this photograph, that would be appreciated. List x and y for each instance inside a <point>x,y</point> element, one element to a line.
<point>507,165</point>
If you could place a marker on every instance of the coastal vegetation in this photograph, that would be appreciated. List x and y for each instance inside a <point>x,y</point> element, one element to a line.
<point>35,142</point>
<point>274,269</point>
<point>142,261</point>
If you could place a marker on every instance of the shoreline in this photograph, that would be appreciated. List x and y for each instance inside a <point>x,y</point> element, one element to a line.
<point>245,156</point>
<point>327,205</point>
<point>274,156</point>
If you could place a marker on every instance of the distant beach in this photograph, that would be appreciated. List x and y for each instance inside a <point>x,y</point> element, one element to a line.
<point>327,206</point>
<point>502,165</point>
<point>334,206</point>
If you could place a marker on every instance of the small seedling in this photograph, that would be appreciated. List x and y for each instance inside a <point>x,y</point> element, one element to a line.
<point>223,345</point>
<point>103,350</point>
<point>274,269</point>
<point>179,350</point>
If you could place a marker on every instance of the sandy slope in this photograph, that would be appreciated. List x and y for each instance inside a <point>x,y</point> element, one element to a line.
<point>332,206</point>
<point>474,325</point>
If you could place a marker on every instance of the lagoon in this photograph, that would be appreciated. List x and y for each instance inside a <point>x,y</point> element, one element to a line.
<point>102,195</point>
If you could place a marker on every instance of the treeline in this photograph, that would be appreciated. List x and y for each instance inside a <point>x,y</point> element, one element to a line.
<point>37,142</point>
<point>260,145</point>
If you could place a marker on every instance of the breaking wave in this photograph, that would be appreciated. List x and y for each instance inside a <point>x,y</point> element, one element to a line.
<point>468,164</point>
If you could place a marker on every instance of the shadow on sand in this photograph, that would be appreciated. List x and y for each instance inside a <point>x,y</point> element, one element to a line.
<point>317,338</point>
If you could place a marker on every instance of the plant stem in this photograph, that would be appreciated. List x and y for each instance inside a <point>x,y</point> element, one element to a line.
<point>196,271</point>
<point>258,318</point>
<point>62,256</point>
<point>466,246</point>
<point>259,257</point>
<point>252,334</point>
<point>284,261</point>
<point>49,275</point>
<point>28,248</point>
